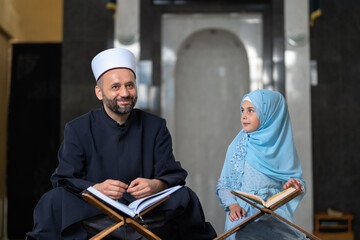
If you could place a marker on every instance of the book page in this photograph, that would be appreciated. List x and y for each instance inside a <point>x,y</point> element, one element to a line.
<point>118,205</point>
<point>141,204</point>
<point>252,197</point>
<point>277,197</point>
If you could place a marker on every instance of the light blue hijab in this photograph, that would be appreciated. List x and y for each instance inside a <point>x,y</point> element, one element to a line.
<point>271,149</point>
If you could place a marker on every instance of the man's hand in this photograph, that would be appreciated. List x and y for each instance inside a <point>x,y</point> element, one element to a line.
<point>114,189</point>
<point>142,187</point>
<point>294,183</point>
<point>236,212</point>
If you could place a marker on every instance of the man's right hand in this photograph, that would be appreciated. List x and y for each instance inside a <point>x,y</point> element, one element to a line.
<point>114,189</point>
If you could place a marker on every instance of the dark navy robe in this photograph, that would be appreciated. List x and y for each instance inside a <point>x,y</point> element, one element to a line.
<point>96,148</point>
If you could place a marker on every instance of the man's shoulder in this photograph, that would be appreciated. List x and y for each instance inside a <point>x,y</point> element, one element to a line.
<point>86,118</point>
<point>148,117</point>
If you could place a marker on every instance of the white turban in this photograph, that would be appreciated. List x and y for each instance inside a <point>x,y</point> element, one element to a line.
<point>111,59</point>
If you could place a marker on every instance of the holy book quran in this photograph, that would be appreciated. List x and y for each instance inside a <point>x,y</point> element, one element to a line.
<point>270,206</point>
<point>135,207</point>
<point>274,201</point>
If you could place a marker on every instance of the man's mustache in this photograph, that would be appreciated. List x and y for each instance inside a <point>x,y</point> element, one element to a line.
<point>124,98</point>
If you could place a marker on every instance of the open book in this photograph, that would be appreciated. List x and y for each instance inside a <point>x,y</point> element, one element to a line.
<point>275,200</point>
<point>137,206</point>
<point>269,208</point>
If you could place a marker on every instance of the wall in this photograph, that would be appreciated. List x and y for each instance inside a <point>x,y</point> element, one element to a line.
<point>209,84</point>
<point>21,21</point>
<point>33,127</point>
<point>335,104</point>
<point>38,20</point>
<point>297,59</point>
<point>88,29</point>
<point>7,30</point>
<point>4,100</point>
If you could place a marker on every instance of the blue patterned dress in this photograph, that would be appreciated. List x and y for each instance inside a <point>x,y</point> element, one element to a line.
<point>242,176</point>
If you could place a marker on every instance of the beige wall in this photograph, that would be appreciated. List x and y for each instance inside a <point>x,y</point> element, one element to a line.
<point>4,96</point>
<point>38,20</point>
<point>21,21</point>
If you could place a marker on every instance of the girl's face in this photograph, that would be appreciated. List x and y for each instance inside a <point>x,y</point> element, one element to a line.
<point>249,119</point>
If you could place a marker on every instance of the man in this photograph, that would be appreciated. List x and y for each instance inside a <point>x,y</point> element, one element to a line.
<point>122,152</point>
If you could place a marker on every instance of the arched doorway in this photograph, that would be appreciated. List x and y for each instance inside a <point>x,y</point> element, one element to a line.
<point>211,76</point>
<point>207,65</point>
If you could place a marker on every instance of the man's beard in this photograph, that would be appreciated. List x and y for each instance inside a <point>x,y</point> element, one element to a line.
<point>113,106</point>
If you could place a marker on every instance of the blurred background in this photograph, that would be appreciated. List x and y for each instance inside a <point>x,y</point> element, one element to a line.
<point>195,61</point>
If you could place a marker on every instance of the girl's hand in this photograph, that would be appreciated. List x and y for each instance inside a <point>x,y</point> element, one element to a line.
<point>236,212</point>
<point>294,183</point>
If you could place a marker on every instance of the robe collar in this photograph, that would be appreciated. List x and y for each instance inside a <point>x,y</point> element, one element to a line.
<point>112,123</point>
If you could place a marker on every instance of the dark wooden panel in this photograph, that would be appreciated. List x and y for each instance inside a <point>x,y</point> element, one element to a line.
<point>33,130</point>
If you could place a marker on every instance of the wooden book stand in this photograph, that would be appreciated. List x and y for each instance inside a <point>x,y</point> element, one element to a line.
<point>121,220</point>
<point>257,215</point>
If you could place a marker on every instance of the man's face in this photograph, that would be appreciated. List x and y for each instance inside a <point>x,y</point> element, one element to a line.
<point>118,90</point>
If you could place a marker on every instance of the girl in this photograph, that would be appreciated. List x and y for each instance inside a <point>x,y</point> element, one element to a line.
<point>262,160</point>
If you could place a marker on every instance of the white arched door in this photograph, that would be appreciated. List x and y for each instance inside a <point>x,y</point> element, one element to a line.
<point>205,73</point>
<point>210,80</point>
